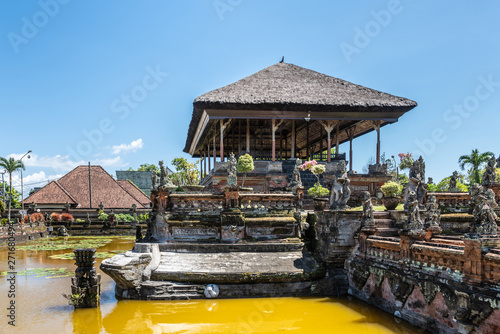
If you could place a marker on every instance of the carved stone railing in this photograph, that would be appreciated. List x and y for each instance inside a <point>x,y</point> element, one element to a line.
<point>195,202</point>
<point>474,259</point>
<point>451,200</point>
<point>269,201</point>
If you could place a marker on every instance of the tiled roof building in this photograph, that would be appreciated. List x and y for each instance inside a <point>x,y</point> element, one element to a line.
<point>86,183</point>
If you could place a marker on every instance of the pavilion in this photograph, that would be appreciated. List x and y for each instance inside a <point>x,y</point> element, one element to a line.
<point>285,112</point>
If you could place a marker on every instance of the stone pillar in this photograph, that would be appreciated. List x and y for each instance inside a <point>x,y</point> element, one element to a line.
<point>473,258</point>
<point>86,285</point>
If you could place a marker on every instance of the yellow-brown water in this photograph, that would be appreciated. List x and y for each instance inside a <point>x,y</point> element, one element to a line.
<point>40,308</point>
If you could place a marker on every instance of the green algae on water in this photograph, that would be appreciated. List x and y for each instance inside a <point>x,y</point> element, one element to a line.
<point>61,243</point>
<point>42,272</point>
<point>98,255</point>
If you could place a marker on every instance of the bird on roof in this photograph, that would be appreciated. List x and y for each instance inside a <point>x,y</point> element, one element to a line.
<point>282,59</point>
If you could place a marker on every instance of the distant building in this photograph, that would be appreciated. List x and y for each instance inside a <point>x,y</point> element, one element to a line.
<point>141,179</point>
<point>84,183</point>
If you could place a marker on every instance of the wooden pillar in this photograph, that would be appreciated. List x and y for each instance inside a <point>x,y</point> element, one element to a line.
<point>248,135</point>
<point>215,150</point>
<point>201,168</point>
<point>307,141</point>
<point>208,157</point>
<point>281,144</point>
<point>337,139</point>
<point>222,128</point>
<point>205,163</point>
<point>292,155</point>
<point>350,134</point>
<point>273,141</point>
<point>376,125</point>
<point>328,126</point>
<point>320,143</point>
<point>273,130</point>
<point>239,136</point>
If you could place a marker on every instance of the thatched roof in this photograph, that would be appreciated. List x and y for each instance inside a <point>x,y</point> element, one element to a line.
<point>290,88</point>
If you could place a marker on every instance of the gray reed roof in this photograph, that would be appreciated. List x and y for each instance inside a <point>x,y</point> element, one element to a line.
<point>288,87</point>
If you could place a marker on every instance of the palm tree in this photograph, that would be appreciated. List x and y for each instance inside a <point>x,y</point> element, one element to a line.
<point>11,165</point>
<point>475,160</point>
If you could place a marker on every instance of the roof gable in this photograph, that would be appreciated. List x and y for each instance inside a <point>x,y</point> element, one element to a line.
<point>52,193</point>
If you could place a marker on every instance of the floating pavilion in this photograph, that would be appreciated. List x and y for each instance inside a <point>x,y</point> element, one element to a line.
<point>286,112</point>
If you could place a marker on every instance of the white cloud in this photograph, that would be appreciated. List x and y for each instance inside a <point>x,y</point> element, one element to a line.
<point>125,148</point>
<point>31,181</point>
<point>110,162</point>
<point>60,163</point>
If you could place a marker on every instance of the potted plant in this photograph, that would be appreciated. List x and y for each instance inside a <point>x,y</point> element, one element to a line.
<point>391,191</point>
<point>318,192</point>
<point>245,165</point>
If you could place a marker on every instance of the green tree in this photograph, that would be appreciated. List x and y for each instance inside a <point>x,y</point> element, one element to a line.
<point>11,165</point>
<point>444,184</point>
<point>475,160</point>
<point>146,168</point>
<point>245,165</point>
<point>16,195</point>
<point>186,172</point>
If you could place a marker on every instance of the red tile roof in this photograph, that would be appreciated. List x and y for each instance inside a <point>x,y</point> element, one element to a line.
<point>74,188</point>
<point>133,190</point>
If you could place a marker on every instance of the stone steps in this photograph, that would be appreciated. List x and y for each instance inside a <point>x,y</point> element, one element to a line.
<point>383,222</point>
<point>283,245</point>
<point>387,232</point>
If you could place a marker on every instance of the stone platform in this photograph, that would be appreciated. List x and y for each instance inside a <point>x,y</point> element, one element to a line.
<point>180,271</point>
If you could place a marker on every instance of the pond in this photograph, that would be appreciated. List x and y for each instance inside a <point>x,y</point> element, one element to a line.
<point>44,274</point>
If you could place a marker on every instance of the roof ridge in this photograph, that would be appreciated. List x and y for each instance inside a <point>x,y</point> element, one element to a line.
<point>128,192</point>
<point>65,191</point>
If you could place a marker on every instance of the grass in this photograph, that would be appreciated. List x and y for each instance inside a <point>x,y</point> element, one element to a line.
<point>61,243</point>
<point>42,272</point>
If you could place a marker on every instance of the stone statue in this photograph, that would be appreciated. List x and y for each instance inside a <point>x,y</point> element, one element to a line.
<point>485,219</point>
<point>430,180</point>
<point>163,173</point>
<point>232,170</point>
<point>416,183</point>
<point>296,181</point>
<point>432,214</point>
<point>101,206</point>
<point>368,219</point>
<point>490,173</point>
<point>154,180</point>
<point>165,181</point>
<point>453,182</point>
<point>490,198</point>
<point>414,222</point>
<point>341,191</point>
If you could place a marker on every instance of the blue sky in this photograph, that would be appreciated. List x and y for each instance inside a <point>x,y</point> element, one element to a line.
<point>112,82</point>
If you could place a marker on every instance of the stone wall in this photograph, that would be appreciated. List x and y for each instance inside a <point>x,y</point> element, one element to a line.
<point>426,298</point>
<point>24,232</point>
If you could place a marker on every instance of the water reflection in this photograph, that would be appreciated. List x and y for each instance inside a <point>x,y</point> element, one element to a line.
<point>42,309</point>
